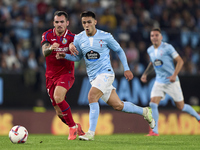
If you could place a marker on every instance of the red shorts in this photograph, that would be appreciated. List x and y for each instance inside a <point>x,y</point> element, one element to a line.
<point>65,81</point>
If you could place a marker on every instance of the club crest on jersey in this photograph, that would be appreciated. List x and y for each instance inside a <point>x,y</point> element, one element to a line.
<point>158,63</point>
<point>92,55</point>
<point>64,41</point>
<point>101,42</point>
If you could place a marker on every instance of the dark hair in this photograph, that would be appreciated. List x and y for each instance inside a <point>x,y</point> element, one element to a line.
<point>156,29</point>
<point>60,13</point>
<point>88,14</point>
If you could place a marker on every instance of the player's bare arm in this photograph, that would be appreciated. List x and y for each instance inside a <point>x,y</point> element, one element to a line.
<point>179,65</point>
<point>147,72</point>
<point>73,49</point>
<point>128,75</point>
<point>47,48</point>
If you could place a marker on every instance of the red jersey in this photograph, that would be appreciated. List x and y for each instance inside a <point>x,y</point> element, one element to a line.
<point>57,67</point>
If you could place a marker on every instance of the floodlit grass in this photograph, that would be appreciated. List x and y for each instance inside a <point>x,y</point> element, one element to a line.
<point>105,142</point>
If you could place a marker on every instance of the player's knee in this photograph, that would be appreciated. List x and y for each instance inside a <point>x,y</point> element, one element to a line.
<point>118,107</point>
<point>58,98</point>
<point>92,98</point>
<point>180,107</point>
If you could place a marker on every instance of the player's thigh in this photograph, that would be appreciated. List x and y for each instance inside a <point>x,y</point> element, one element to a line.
<point>59,93</point>
<point>175,91</point>
<point>94,94</point>
<point>157,92</point>
<point>103,82</point>
<point>115,101</point>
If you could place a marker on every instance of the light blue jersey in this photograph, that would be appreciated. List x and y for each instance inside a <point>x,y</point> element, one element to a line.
<point>162,59</point>
<point>95,51</point>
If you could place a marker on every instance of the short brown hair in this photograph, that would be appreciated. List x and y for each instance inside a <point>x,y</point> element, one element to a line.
<point>156,29</point>
<point>60,13</point>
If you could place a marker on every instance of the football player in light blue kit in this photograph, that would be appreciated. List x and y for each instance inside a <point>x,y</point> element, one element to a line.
<point>94,46</point>
<point>162,56</point>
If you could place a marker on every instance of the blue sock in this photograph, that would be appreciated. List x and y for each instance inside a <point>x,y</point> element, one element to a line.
<point>187,108</point>
<point>93,115</point>
<point>155,115</point>
<point>132,108</point>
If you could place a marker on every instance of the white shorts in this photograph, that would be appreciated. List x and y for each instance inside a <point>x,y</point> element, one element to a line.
<point>104,82</point>
<point>173,89</point>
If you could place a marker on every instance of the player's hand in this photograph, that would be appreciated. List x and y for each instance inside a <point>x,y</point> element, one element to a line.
<point>73,49</point>
<point>172,78</point>
<point>128,75</point>
<point>143,78</point>
<point>55,46</point>
<point>60,55</point>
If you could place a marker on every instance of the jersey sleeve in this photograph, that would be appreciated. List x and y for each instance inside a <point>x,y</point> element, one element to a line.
<point>114,45</point>
<point>173,52</point>
<point>44,38</point>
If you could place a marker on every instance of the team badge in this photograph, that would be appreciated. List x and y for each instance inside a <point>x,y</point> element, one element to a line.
<point>101,42</point>
<point>161,52</point>
<point>64,41</point>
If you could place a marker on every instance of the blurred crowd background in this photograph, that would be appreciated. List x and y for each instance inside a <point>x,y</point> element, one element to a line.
<point>22,23</point>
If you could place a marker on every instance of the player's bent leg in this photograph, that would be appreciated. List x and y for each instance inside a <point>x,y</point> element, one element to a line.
<point>59,114</point>
<point>115,102</point>
<point>129,107</point>
<point>188,109</point>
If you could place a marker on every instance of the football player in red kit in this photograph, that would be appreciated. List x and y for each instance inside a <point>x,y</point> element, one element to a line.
<point>60,73</point>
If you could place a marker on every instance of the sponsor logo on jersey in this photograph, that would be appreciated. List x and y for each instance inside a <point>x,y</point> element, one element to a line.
<point>158,63</point>
<point>64,49</point>
<point>92,55</point>
<point>64,41</point>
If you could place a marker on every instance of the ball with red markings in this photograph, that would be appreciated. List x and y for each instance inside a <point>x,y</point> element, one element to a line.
<point>18,134</point>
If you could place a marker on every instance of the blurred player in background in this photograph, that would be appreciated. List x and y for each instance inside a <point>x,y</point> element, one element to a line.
<point>60,73</point>
<point>162,56</point>
<point>94,46</point>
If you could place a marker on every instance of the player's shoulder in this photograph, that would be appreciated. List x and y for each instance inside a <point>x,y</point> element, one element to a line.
<point>48,31</point>
<point>166,45</point>
<point>103,33</point>
<point>69,33</point>
<point>150,49</point>
<point>80,35</point>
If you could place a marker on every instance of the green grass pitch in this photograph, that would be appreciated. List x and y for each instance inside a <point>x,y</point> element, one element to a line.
<point>105,142</point>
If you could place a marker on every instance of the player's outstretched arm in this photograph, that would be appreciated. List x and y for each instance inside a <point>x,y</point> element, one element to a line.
<point>147,72</point>
<point>63,55</point>
<point>128,75</point>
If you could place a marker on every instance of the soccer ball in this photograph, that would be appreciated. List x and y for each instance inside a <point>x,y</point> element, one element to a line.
<point>18,134</point>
